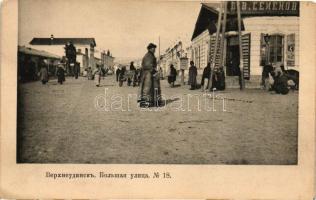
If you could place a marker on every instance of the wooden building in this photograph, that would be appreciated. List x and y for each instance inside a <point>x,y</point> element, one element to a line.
<point>28,63</point>
<point>85,48</point>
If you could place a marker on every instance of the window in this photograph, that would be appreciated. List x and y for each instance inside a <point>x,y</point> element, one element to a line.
<point>272,49</point>
<point>275,48</point>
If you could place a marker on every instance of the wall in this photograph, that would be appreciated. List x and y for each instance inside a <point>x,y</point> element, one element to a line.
<point>200,42</point>
<point>270,25</point>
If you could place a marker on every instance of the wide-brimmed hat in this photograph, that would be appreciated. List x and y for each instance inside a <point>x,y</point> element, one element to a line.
<point>151,45</point>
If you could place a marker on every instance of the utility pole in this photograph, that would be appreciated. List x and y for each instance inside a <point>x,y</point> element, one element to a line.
<point>219,20</point>
<point>242,86</point>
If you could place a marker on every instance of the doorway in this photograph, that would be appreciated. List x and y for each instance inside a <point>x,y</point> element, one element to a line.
<point>232,60</point>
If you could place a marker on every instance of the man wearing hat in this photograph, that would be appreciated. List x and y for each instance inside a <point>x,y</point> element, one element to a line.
<point>150,92</point>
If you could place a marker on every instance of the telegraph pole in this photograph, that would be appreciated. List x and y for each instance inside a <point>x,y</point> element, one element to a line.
<point>219,20</point>
<point>242,86</point>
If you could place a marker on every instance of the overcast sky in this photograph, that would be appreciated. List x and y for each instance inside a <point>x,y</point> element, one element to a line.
<point>124,27</point>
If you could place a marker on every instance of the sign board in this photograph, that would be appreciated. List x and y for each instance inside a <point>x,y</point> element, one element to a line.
<point>265,8</point>
<point>290,50</point>
<point>184,63</point>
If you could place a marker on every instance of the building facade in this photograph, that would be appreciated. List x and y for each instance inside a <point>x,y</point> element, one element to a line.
<point>270,34</point>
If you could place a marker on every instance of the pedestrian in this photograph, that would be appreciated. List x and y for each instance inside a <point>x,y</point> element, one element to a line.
<point>117,73</point>
<point>150,91</point>
<point>132,70</point>
<point>160,73</point>
<point>89,73</point>
<point>43,72</point>
<point>60,73</point>
<point>77,70</point>
<point>172,76</point>
<point>192,75</point>
<point>97,76</point>
<point>122,76</point>
<point>206,77</point>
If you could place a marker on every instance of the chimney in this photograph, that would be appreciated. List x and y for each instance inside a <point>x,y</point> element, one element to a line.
<point>51,39</point>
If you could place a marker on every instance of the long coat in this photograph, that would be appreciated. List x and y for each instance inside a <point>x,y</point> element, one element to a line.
<point>172,76</point>
<point>60,74</point>
<point>192,75</point>
<point>44,74</point>
<point>150,90</point>
<point>206,74</point>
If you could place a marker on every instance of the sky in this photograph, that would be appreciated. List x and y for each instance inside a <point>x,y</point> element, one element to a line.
<point>123,26</point>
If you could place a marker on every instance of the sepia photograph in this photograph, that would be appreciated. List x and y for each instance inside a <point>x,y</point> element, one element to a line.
<point>158,82</point>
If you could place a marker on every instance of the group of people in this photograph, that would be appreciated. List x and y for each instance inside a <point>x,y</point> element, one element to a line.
<point>44,75</point>
<point>132,76</point>
<point>276,78</point>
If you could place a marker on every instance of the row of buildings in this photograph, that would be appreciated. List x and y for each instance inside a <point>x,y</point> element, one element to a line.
<point>270,34</point>
<point>41,48</point>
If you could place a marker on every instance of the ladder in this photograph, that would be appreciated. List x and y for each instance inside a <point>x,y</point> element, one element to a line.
<point>220,37</point>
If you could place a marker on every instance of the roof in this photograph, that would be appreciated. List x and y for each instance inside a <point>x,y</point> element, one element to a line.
<point>207,19</point>
<point>63,41</point>
<point>35,52</point>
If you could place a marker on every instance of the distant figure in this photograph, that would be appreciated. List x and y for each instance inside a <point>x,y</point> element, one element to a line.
<point>150,91</point>
<point>117,73</point>
<point>97,76</point>
<point>89,73</point>
<point>206,77</point>
<point>77,70</point>
<point>192,75</point>
<point>60,73</point>
<point>132,70</point>
<point>71,54</point>
<point>160,73</point>
<point>43,72</point>
<point>172,75</point>
<point>132,67</point>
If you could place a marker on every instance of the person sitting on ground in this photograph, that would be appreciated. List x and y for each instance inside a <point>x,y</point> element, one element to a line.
<point>172,75</point>
<point>280,85</point>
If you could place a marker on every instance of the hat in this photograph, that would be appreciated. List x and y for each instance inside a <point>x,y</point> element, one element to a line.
<point>151,45</point>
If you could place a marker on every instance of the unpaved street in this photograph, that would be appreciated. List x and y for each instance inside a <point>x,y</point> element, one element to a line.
<point>60,124</point>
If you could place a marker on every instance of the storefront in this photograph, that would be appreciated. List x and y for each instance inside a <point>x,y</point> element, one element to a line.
<point>270,34</point>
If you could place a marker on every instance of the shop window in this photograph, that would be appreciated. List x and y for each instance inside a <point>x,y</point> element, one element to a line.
<point>272,49</point>
<point>275,49</point>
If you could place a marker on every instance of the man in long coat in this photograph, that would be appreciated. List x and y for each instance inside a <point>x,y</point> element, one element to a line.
<point>192,75</point>
<point>150,91</point>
